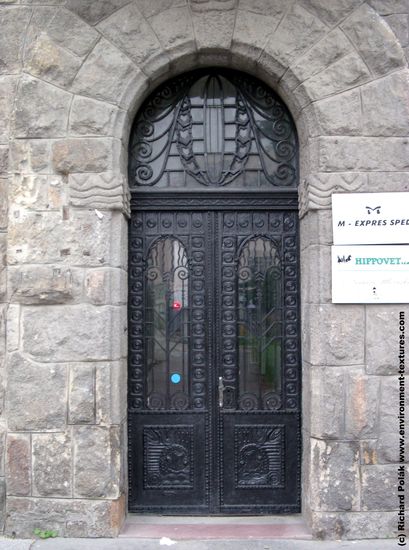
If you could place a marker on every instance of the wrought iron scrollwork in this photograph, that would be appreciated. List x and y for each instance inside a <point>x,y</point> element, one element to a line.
<point>167,323</point>
<point>213,128</point>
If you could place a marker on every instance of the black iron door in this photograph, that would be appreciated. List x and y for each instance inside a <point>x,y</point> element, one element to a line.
<point>214,376</point>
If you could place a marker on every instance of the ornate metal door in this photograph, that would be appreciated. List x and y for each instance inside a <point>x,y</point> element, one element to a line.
<point>214,366</point>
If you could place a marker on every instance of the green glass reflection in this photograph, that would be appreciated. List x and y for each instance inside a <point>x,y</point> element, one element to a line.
<point>260,325</point>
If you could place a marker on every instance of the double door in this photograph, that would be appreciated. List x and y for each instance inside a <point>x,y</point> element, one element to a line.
<point>214,366</point>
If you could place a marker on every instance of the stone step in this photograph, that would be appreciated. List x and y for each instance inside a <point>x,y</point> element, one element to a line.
<point>207,528</point>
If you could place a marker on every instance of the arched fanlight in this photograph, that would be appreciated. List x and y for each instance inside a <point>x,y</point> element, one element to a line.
<point>211,129</point>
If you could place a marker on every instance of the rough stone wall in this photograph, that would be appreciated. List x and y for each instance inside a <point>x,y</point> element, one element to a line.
<point>72,75</point>
<point>396,15</point>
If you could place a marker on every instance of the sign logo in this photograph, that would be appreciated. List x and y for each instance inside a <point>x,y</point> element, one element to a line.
<point>376,209</point>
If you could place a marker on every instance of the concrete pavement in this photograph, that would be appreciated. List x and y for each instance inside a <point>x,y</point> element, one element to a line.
<point>164,543</point>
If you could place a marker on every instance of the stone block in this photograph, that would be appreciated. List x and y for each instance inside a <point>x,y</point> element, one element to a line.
<point>214,30</point>
<point>111,392</point>
<point>8,86</point>
<point>392,119</point>
<point>93,12</point>
<point>386,7</point>
<point>273,8</point>
<point>106,286</point>
<point>18,464</point>
<point>42,2</point>
<point>251,32</point>
<point>13,327</point>
<point>400,26</point>
<point>173,27</point>
<point>41,16</point>
<point>3,270</point>
<point>3,203</point>
<point>106,72</point>
<point>52,465</point>
<point>341,114</point>
<point>349,72</point>
<point>330,12</point>
<point>93,118</point>
<point>331,491</point>
<point>38,192</point>
<point>387,446</point>
<point>379,487</point>
<point>305,479</point>
<point>297,32</point>
<point>81,399</point>
<point>3,316</point>
<point>374,40</point>
<point>149,8</point>
<point>212,5</point>
<point>361,404</point>
<point>3,433</point>
<point>13,24</point>
<point>45,285</point>
<point>327,402</point>
<point>316,228</point>
<point>70,32</point>
<point>341,154</point>
<point>354,525</point>
<point>33,116</point>
<point>28,156</point>
<point>51,238</point>
<point>96,462</point>
<point>106,191</point>
<point>396,182</point>
<point>36,395</point>
<point>329,50</point>
<point>316,275</point>
<point>389,403</point>
<point>52,63</point>
<point>69,517</point>
<point>84,154</point>
<point>3,504</point>
<point>344,330</point>
<point>4,161</point>
<point>382,327</point>
<point>130,31</point>
<point>77,333</point>
<point>406,50</point>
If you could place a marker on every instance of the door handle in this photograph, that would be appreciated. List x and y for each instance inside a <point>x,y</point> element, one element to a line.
<point>221,391</point>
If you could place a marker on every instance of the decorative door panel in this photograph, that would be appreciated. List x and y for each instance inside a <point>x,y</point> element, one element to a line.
<point>168,370</point>
<point>259,362</point>
<point>214,391</point>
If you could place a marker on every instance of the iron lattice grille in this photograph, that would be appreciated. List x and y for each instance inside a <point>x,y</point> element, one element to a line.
<point>213,129</point>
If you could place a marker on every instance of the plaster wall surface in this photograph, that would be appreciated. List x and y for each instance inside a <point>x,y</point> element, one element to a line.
<point>72,76</point>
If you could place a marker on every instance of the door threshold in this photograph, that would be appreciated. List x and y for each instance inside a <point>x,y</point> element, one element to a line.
<point>215,527</point>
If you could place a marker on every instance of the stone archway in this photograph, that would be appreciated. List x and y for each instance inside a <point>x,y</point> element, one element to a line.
<point>66,231</point>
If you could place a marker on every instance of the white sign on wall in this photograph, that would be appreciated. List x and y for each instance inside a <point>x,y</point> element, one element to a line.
<point>370,218</point>
<point>370,274</point>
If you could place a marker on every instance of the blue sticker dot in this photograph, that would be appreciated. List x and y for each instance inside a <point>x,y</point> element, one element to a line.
<point>175,378</point>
